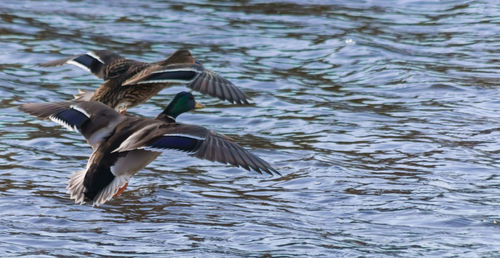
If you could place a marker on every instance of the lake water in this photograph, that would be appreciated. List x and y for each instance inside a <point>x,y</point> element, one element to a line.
<point>382,116</point>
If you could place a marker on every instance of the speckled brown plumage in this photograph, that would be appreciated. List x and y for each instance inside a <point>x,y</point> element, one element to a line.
<point>129,83</point>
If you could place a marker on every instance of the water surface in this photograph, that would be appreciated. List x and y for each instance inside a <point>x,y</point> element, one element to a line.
<point>381,115</point>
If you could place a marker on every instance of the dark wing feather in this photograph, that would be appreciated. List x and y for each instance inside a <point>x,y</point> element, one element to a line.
<point>153,73</point>
<point>71,118</point>
<point>59,112</point>
<point>181,143</point>
<point>200,143</point>
<point>172,75</point>
<point>93,61</point>
<point>176,73</point>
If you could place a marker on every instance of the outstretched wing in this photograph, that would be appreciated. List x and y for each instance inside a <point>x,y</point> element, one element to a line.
<point>93,61</point>
<point>94,120</point>
<point>198,142</point>
<point>195,76</point>
<point>59,112</point>
<point>210,83</point>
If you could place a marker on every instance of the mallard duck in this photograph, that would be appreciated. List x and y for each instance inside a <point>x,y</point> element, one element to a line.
<point>129,83</point>
<point>123,145</point>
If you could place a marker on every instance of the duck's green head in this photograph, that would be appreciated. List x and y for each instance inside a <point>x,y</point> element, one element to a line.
<point>182,102</point>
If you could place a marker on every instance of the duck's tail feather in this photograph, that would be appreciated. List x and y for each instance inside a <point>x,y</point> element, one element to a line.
<point>75,187</point>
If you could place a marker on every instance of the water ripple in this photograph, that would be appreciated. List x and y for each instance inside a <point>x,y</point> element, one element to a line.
<point>381,115</point>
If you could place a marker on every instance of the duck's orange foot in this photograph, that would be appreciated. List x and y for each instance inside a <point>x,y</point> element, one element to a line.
<point>120,191</point>
<point>123,111</point>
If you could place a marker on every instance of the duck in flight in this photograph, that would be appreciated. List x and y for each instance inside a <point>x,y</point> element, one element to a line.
<point>122,145</point>
<point>128,83</point>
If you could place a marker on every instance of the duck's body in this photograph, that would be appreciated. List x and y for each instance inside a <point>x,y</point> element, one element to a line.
<point>123,145</point>
<point>109,171</point>
<point>129,83</point>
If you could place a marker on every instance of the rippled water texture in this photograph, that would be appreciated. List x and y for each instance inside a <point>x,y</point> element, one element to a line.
<point>383,117</point>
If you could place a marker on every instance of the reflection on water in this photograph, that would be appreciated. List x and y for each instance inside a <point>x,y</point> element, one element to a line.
<point>381,116</point>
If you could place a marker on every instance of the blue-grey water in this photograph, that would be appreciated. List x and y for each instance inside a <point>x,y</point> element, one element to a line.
<point>383,117</point>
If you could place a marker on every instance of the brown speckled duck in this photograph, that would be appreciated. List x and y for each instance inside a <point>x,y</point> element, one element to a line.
<point>123,145</point>
<point>129,83</point>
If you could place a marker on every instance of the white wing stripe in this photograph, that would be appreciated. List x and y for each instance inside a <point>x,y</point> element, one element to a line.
<point>63,123</point>
<point>130,140</point>
<point>93,55</point>
<point>73,62</point>
<point>186,135</point>
<point>163,81</point>
<point>147,148</point>
<point>177,70</point>
<point>81,110</point>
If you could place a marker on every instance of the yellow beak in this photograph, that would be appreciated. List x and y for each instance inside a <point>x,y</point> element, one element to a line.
<point>198,105</point>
